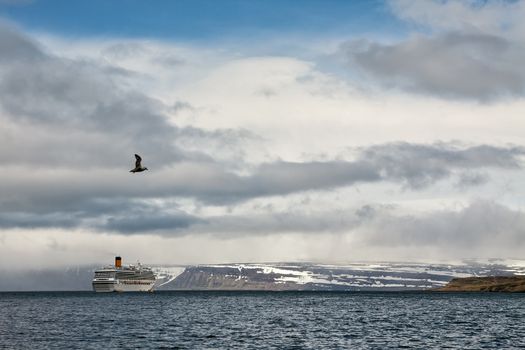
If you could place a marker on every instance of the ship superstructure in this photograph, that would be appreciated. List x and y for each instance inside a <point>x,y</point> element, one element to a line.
<point>118,278</point>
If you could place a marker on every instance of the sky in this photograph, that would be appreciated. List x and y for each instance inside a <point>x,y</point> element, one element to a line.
<point>319,131</point>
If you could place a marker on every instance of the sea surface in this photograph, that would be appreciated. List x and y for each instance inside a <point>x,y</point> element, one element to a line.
<point>261,320</point>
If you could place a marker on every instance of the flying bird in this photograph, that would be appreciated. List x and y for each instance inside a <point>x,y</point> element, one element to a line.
<point>138,166</point>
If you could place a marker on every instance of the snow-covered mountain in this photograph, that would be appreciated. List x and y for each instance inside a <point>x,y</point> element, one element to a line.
<point>354,276</point>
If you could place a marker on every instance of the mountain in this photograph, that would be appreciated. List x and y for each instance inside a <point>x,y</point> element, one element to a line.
<point>348,277</point>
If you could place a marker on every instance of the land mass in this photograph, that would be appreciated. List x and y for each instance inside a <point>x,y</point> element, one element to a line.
<point>324,277</point>
<point>510,284</point>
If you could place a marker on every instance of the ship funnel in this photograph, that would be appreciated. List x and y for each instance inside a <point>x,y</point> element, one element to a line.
<point>118,261</point>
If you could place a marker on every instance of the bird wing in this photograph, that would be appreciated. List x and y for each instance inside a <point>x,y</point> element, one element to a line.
<point>138,160</point>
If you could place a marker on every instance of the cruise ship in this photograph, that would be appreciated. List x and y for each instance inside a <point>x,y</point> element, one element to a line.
<point>118,278</point>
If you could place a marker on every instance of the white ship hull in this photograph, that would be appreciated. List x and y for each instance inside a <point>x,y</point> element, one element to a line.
<point>108,286</point>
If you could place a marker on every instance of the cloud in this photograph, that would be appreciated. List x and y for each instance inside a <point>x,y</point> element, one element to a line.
<point>411,165</point>
<point>470,54</point>
<point>483,228</point>
<point>419,165</point>
<point>468,179</point>
<point>456,65</point>
<point>150,223</point>
<point>16,47</point>
<point>117,200</point>
<point>480,229</point>
<point>487,16</point>
<point>9,220</point>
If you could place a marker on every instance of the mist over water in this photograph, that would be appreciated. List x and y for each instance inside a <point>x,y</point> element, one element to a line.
<point>257,320</point>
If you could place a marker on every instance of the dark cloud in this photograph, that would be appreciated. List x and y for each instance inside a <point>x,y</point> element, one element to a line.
<point>31,220</point>
<point>150,223</point>
<point>468,179</point>
<point>419,165</point>
<point>17,47</point>
<point>463,65</point>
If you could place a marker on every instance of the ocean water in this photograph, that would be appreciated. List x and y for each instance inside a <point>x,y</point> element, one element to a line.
<point>261,320</point>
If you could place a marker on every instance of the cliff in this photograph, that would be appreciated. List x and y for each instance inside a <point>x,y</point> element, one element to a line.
<point>486,284</point>
<point>227,278</point>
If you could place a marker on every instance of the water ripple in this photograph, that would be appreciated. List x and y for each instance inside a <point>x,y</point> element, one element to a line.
<point>243,320</point>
